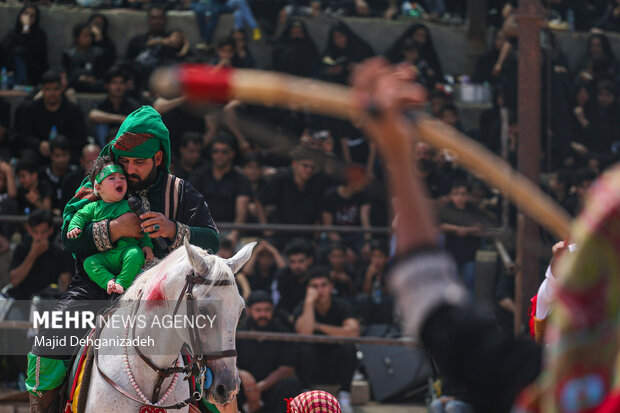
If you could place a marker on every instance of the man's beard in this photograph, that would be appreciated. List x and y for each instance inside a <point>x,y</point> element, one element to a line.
<point>253,324</point>
<point>140,185</point>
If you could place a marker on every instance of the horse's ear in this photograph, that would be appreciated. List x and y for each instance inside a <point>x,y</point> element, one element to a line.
<point>238,261</point>
<point>195,260</point>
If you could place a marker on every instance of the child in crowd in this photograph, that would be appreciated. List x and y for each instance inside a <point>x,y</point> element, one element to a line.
<point>32,193</point>
<point>112,270</point>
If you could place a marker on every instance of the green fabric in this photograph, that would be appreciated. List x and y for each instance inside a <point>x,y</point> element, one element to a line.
<point>209,406</point>
<point>100,210</point>
<point>205,238</point>
<point>144,120</point>
<point>123,263</point>
<point>107,171</point>
<point>45,374</point>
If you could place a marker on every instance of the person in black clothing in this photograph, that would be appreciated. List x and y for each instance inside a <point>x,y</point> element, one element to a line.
<point>57,172</point>
<point>294,51</point>
<point>262,266</point>
<point>422,37</point>
<point>5,125</point>
<point>294,196</point>
<point>341,275</point>
<point>189,160</point>
<point>74,177</point>
<point>112,111</point>
<point>490,125</point>
<point>603,115</point>
<point>243,56</point>
<point>37,262</point>
<point>344,49</point>
<point>266,368</point>
<point>99,26</point>
<point>485,64</point>
<point>26,46</point>
<point>289,287</point>
<point>84,62</point>
<point>52,114</point>
<point>227,190</point>
<point>32,193</point>
<point>322,313</point>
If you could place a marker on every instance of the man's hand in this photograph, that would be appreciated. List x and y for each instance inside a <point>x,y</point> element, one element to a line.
<point>148,253</point>
<point>167,228</point>
<point>74,233</point>
<point>311,295</point>
<point>33,196</point>
<point>44,149</point>
<point>127,226</point>
<point>250,389</point>
<point>38,247</point>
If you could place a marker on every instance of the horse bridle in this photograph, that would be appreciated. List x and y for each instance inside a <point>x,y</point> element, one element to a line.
<point>197,365</point>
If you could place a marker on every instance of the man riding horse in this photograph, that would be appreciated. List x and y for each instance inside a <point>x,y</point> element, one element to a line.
<point>174,211</point>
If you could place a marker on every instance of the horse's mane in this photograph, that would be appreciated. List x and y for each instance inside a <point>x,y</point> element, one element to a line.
<point>154,283</point>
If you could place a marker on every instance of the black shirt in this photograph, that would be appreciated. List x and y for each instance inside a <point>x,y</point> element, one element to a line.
<point>289,290</point>
<point>221,195</point>
<point>57,186</point>
<point>127,106</point>
<point>345,211</point>
<point>23,205</point>
<point>261,358</point>
<point>463,249</point>
<point>45,270</point>
<point>339,311</point>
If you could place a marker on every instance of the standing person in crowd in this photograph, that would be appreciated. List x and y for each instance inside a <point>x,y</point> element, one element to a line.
<point>294,51</point>
<point>321,313</point>
<point>84,62</point>
<point>343,51</point>
<point>32,193</point>
<point>262,266</point>
<point>485,64</point>
<point>422,37</point>
<point>38,262</point>
<point>190,159</point>
<point>294,196</point>
<point>26,46</point>
<point>99,27</point>
<point>266,368</point>
<point>112,111</point>
<point>227,190</point>
<point>57,172</point>
<point>289,287</point>
<point>53,115</point>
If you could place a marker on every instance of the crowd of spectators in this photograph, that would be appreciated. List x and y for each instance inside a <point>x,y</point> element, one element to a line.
<point>301,168</point>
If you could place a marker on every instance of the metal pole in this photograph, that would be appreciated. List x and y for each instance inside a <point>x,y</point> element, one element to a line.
<point>529,95</point>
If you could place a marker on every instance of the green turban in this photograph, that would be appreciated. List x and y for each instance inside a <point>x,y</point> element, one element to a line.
<point>141,135</point>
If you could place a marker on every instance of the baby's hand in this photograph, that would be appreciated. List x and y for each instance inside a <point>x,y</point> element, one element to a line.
<point>74,233</point>
<point>117,288</point>
<point>148,253</point>
<point>111,286</point>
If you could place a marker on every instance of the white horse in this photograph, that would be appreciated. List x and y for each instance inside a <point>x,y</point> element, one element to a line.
<point>125,383</point>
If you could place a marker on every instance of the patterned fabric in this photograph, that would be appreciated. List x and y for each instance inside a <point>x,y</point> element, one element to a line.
<point>150,409</point>
<point>582,370</point>
<point>316,401</point>
<point>101,235</point>
<point>182,233</point>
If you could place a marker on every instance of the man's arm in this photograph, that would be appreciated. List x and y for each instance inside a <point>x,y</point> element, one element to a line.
<point>350,328</point>
<point>306,323</point>
<point>99,116</point>
<point>21,270</point>
<point>241,213</point>
<point>282,372</point>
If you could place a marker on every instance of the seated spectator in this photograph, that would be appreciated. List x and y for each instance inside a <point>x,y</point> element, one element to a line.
<point>461,223</point>
<point>294,51</point>
<point>411,55</point>
<point>486,63</point>
<point>375,283</point>
<point>322,313</point>
<point>190,151</point>
<point>32,193</point>
<point>598,46</point>
<point>243,57</point>
<point>294,196</point>
<point>347,205</point>
<point>5,125</point>
<point>37,262</point>
<point>112,111</point>
<point>261,268</point>
<point>437,100</point>
<point>50,116</point>
<point>225,52</point>
<point>84,62</point>
<point>266,368</point>
<point>344,49</point>
<point>99,27</point>
<point>603,121</point>
<point>74,177</point>
<point>449,113</point>
<point>8,203</point>
<point>57,171</point>
<point>289,287</point>
<point>436,181</point>
<point>252,168</point>
<point>26,47</point>
<point>611,19</point>
<point>422,37</point>
<point>341,276</point>
<point>227,190</point>
<point>560,185</point>
<point>138,47</point>
<point>579,121</point>
<point>582,180</point>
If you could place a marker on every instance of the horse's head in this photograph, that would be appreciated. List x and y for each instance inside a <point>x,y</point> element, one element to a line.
<point>218,296</point>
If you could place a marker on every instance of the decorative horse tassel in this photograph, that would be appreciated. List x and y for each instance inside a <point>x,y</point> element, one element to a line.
<point>150,409</point>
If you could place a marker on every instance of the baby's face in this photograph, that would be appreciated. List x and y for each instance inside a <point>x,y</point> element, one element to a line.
<point>113,187</point>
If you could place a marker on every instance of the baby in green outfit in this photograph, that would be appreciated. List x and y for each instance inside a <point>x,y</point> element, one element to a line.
<point>113,270</point>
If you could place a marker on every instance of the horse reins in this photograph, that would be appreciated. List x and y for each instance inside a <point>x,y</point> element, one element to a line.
<point>197,363</point>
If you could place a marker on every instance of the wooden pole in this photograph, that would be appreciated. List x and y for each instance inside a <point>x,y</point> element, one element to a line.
<point>529,96</point>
